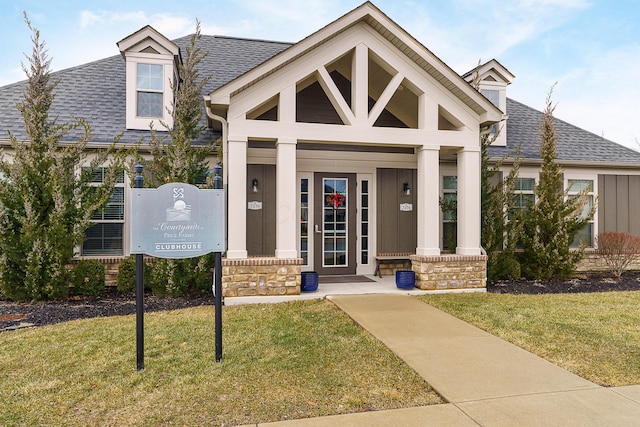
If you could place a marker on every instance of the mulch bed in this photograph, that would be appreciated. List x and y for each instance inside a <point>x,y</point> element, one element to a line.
<point>600,282</point>
<point>111,303</point>
<point>20,315</point>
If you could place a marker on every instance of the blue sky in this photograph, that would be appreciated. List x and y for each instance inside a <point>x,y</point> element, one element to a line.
<point>591,48</point>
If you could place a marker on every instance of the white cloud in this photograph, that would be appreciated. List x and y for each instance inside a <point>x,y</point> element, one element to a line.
<point>89,19</point>
<point>171,25</point>
<point>485,28</point>
<point>603,98</point>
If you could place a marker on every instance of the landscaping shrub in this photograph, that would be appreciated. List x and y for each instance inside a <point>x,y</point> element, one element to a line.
<point>126,280</point>
<point>503,266</point>
<point>88,278</point>
<point>618,250</point>
<point>177,277</point>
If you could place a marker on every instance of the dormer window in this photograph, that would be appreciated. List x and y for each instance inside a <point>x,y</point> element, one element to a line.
<point>492,80</point>
<point>149,89</point>
<point>152,63</point>
<point>493,96</point>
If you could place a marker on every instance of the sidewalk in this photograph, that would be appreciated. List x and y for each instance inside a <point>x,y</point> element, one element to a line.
<point>486,380</point>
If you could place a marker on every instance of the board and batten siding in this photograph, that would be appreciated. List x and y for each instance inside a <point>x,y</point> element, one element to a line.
<point>261,210</point>
<point>619,203</point>
<point>397,229</point>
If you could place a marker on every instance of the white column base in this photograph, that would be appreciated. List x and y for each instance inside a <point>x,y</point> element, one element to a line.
<point>428,251</point>
<point>237,254</point>
<point>286,253</point>
<point>468,251</point>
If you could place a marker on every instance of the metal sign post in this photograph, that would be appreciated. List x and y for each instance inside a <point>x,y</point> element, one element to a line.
<point>217,184</point>
<point>139,291</point>
<point>177,221</point>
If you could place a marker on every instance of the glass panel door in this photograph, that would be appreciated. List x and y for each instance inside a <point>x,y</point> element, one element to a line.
<point>334,224</point>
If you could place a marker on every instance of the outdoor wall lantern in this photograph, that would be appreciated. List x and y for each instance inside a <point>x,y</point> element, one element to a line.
<point>406,189</point>
<point>254,185</point>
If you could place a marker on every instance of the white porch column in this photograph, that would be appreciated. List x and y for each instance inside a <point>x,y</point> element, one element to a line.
<point>428,201</point>
<point>286,217</point>
<point>469,210</point>
<point>237,198</point>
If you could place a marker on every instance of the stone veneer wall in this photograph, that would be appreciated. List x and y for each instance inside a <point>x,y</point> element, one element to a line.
<point>593,262</point>
<point>389,268</point>
<point>450,271</point>
<point>261,276</point>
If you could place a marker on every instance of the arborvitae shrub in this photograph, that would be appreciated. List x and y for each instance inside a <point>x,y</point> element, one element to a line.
<point>88,278</point>
<point>126,280</point>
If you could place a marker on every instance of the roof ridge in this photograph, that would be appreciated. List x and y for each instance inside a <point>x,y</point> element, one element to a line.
<point>222,36</point>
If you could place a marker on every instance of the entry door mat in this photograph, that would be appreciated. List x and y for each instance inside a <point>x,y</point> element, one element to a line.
<point>344,279</point>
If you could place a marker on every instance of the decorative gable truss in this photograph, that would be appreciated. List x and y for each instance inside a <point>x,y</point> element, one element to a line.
<point>360,87</point>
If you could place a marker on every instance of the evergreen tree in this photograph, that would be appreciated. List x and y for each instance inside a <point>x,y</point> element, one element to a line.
<point>175,158</point>
<point>46,201</point>
<point>551,225</point>
<point>498,232</point>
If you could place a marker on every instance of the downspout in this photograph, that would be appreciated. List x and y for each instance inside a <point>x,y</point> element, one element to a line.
<point>225,149</point>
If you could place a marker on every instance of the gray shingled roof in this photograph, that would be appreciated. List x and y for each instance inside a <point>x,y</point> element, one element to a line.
<point>574,143</point>
<point>96,92</point>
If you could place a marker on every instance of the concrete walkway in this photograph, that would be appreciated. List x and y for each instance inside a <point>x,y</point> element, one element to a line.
<point>487,381</point>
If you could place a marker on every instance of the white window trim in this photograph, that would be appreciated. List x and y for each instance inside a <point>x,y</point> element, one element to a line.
<point>443,191</point>
<point>535,178</point>
<point>367,268</point>
<point>310,219</point>
<point>133,121</point>
<point>124,221</point>
<point>586,176</point>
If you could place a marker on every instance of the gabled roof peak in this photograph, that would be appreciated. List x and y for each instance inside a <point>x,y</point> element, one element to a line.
<point>145,38</point>
<point>492,70</point>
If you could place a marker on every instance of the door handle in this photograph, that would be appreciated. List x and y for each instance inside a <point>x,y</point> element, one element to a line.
<point>317,229</point>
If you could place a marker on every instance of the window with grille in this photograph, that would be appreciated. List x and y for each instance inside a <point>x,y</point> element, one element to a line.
<point>105,236</point>
<point>449,206</point>
<point>149,90</point>
<point>577,186</point>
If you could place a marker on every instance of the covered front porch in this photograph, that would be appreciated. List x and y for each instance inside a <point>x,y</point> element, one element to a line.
<point>336,150</point>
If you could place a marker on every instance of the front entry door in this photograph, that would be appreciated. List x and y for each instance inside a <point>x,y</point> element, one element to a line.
<point>335,223</point>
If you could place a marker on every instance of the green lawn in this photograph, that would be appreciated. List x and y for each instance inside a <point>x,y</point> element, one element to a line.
<point>283,361</point>
<point>595,335</point>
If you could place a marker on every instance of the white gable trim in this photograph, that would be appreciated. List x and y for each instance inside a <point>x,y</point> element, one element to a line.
<point>387,29</point>
<point>145,37</point>
<point>360,38</point>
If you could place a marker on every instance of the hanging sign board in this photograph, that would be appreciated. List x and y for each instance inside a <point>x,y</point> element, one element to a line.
<point>177,220</point>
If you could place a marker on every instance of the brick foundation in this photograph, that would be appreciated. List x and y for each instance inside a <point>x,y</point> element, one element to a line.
<point>450,271</point>
<point>261,276</point>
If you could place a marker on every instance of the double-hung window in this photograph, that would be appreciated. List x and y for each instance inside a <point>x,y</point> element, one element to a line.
<point>149,90</point>
<point>523,197</point>
<point>105,236</point>
<point>577,186</point>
